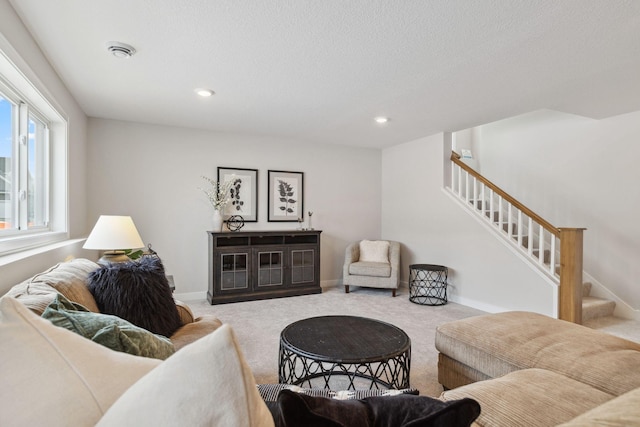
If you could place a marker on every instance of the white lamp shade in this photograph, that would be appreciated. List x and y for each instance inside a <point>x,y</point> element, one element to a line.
<point>112,233</point>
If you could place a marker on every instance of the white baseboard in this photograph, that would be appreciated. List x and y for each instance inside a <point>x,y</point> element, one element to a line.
<point>191,296</point>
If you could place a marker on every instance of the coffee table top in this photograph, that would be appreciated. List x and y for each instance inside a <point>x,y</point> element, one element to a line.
<point>345,339</point>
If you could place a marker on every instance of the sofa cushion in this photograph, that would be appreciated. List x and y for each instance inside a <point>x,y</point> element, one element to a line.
<point>371,269</point>
<point>137,291</point>
<point>374,251</point>
<point>531,397</point>
<point>190,332</point>
<point>55,377</point>
<point>35,295</point>
<point>207,383</point>
<point>109,331</point>
<point>497,344</point>
<point>68,278</point>
<point>623,411</point>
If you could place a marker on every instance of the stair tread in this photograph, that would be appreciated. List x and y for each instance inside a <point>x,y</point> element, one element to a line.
<point>595,301</point>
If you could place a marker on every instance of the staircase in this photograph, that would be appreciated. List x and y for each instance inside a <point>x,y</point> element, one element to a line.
<point>544,246</point>
<point>555,251</point>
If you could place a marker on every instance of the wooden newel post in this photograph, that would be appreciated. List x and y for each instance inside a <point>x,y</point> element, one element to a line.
<point>571,274</point>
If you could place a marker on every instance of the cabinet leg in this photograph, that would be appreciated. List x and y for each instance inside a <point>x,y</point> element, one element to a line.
<point>393,292</point>
<point>346,289</point>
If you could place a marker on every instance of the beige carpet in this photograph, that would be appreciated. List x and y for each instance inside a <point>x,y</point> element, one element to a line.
<point>258,324</point>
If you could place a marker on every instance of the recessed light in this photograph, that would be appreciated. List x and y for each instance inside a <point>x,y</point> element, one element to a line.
<point>381,120</point>
<point>204,92</point>
<point>120,50</point>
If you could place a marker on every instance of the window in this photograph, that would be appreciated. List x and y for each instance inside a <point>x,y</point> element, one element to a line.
<point>23,167</point>
<point>6,149</point>
<point>32,164</point>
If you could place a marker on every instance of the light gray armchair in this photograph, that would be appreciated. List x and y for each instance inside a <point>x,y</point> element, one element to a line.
<point>372,264</point>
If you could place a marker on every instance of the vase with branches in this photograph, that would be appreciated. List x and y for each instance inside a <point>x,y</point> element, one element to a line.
<point>218,195</point>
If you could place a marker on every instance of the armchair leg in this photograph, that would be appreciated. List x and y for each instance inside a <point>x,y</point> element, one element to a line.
<point>346,289</point>
<point>393,292</point>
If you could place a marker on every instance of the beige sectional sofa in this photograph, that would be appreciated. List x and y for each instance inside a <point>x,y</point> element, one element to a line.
<point>526,369</point>
<point>70,279</point>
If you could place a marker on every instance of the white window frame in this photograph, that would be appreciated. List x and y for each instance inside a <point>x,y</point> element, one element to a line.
<point>31,103</point>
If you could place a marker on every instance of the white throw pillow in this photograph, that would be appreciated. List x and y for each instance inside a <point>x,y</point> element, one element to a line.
<point>207,383</point>
<point>374,251</point>
<point>54,377</point>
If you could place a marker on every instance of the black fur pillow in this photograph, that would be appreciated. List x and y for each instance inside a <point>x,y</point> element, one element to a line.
<point>137,291</point>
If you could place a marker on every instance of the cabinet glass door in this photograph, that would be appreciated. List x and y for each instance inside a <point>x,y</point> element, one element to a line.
<point>302,266</point>
<point>234,273</point>
<point>270,268</point>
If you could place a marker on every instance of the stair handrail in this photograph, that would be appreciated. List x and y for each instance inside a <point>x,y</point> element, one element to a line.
<point>571,249</point>
<point>455,158</point>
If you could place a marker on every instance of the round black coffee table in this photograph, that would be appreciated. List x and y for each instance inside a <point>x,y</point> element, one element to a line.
<point>355,347</point>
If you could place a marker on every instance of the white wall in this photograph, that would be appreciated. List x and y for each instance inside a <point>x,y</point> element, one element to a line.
<point>19,46</point>
<point>153,173</point>
<point>577,172</point>
<point>433,229</point>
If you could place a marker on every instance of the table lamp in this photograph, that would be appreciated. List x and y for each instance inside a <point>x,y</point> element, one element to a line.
<point>113,234</point>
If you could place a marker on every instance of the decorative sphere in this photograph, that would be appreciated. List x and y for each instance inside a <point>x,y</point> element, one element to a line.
<point>235,222</point>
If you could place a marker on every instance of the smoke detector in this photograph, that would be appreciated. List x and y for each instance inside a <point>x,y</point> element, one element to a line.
<point>120,50</point>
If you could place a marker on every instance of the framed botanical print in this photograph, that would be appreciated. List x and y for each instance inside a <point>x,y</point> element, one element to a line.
<point>243,192</point>
<point>286,196</point>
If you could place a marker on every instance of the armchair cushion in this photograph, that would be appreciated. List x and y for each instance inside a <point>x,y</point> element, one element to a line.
<point>374,251</point>
<point>374,269</point>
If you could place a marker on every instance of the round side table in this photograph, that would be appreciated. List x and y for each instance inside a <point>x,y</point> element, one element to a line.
<point>428,284</point>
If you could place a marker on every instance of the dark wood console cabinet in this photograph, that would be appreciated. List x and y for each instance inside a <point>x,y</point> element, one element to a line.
<point>252,265</point>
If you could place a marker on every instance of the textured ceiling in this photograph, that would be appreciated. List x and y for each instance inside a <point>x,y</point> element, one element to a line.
<point>321,70</point>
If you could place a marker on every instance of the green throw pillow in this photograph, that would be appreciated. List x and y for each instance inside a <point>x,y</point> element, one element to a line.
<point>110,331</point>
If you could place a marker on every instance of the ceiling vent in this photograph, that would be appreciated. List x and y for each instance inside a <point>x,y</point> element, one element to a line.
<point>120,50</point>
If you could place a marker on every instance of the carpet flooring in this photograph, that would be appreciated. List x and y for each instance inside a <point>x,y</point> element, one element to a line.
<point>257,324</point>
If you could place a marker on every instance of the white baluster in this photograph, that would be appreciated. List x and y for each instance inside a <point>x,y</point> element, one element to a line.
<point>500,215</point>
<point>475,189</point>
<point>519,228</point>
<point>466,187</point>
<point>530,237</point>
<point>541,244</point>
<point>491,206</point>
